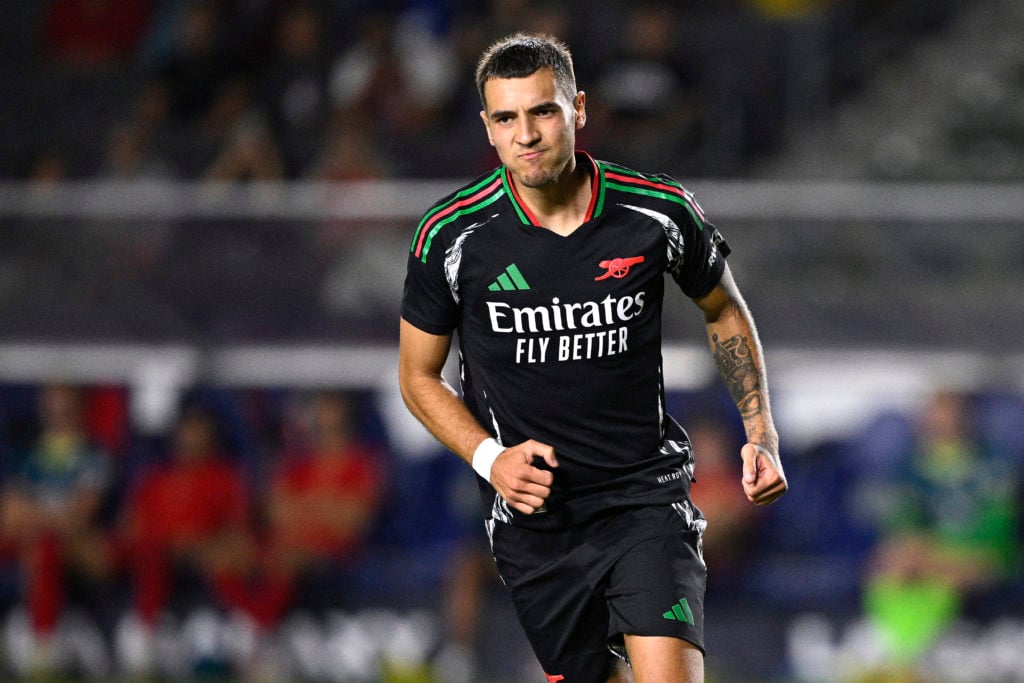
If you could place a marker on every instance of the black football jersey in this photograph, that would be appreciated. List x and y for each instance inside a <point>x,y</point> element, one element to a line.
<point>560,336</point>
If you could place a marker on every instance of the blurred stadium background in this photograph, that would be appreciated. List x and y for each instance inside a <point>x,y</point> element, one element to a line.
<point>208,204</point>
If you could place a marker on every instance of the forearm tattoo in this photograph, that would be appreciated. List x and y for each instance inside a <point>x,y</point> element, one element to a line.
<point>736,364</point>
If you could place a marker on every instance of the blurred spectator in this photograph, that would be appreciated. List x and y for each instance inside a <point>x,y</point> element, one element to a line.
<point>131,154</point>
<point>248,153</point>
<point>766,65</point>
<point>293,85</point>
<point>437,532</point>
<point>449,152</point>
<point>732,519</point>
<point>322,502</point>
<point>350,153</point>
<point>470,574</point>
<point>949,526</point>
<point>807,54</point>
<point>186,521</point>
<point>647,101</point>
<point>47,169</point>
<point>50,513</point>
<point>397,76</point>
<point>197,71</point>
<point>197,94</point>
<point>90,34</point>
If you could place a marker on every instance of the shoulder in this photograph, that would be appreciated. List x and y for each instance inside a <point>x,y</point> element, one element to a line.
<point>654,191</point>
<point>458,208</point>
<point>476,190</point>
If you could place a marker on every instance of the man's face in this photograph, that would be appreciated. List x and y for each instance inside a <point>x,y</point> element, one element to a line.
<point>532,125</point>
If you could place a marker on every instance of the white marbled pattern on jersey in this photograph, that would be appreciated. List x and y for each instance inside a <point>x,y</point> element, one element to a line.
<point>453,257</point>
<point>672,233</point>
<point>683,451</point>
<point>501,510</point>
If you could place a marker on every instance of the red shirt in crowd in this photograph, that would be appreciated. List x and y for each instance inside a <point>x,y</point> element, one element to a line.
<point>325,502</point>
<point>182,503</point>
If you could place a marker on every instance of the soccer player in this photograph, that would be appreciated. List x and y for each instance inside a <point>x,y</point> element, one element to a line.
<point>551,268</point>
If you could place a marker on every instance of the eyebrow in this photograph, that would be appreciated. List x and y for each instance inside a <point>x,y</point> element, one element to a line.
<point>502,113</point>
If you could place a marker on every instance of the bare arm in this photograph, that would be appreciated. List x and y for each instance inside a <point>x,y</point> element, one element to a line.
<point>737,353</point>
<point>421,359</point>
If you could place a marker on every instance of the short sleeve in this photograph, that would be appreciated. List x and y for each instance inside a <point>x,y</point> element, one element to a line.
<point>702,261</point>
<point>427,300</point>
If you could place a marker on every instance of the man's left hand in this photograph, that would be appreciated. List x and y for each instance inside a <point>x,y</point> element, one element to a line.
<point>763,479</point>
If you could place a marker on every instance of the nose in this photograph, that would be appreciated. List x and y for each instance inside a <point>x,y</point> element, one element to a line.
<point>526,132</point>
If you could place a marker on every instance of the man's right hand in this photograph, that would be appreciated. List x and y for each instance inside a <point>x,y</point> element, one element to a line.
<point>522,485</point>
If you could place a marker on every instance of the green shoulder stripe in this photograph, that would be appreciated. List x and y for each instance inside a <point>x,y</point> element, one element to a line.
<point>660,187</point>
<point>468,200</point>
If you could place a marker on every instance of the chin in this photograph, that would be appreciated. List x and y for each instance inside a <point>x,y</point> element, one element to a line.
<point>541,177</point>
<point>535,180</point>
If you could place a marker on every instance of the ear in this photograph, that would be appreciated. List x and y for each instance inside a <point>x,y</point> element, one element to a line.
<point>487,127</point>
<point>579,104</point>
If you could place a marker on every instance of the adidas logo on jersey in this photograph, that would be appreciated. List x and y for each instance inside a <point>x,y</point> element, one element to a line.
<point>510,281</point>
<point>680,612</point>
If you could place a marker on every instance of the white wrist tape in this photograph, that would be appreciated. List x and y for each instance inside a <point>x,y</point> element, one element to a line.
<point>485,455</point>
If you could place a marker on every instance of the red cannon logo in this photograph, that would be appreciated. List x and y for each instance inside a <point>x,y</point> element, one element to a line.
<point>618,267</point>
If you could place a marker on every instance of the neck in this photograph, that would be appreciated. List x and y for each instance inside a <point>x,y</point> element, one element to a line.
<point>560,206</point>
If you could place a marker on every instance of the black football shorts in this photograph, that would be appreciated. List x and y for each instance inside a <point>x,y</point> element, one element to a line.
<point>578,591</point>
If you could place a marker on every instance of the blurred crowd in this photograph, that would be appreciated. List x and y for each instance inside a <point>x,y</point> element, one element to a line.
<point>318,534</point>
<point>132,532</point>
<point>259,514</point>
<point>324,90</point>
<point>349,89</point>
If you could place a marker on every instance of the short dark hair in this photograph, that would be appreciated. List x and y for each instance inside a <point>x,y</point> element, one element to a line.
<point>520,55</point>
